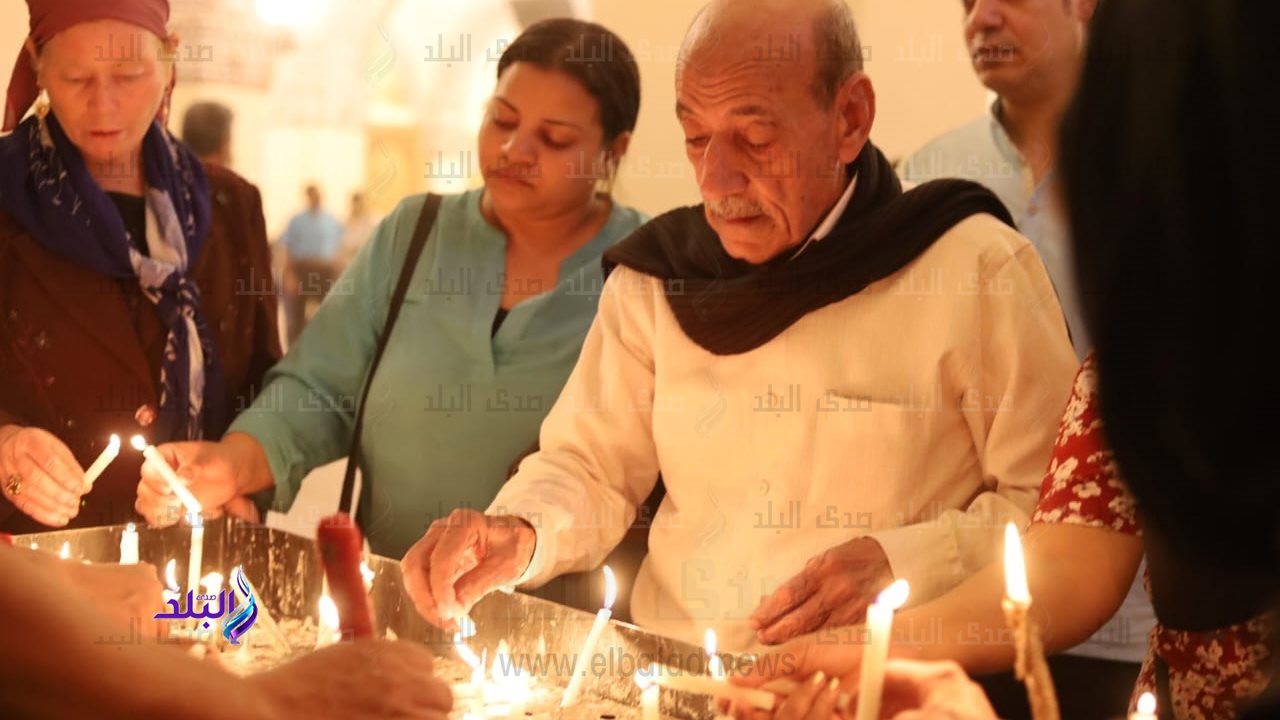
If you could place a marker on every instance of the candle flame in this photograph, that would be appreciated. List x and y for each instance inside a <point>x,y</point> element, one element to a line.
<point>1147,704</point>
<point>715,667</point>
<point>367,574</point>
<point>138,442</point>
<point>610,588</point>
<point>468,655</point>
<point>65,552</point>
<point>1015,568</point>
<point>329,613</point>
<point>171,575</point>
<point>212,582</point>
<point>113,446</point>
<point>894,596</point>
<point>643,680</point>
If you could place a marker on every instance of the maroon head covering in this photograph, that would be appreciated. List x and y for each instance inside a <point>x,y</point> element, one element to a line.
<point>50,17</point>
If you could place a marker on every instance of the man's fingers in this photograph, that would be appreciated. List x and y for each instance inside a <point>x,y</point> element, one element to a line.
<point>415,568</point>
<point>455,555</point>
<point>477,583</point>
<point>789,595</point>
<point>806,618</point>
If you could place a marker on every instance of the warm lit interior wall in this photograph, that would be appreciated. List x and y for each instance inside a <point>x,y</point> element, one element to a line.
<point>13,30</point>
<point>915,57</point>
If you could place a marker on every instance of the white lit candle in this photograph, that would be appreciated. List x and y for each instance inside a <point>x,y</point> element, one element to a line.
<point>648,697</point>
<point>715,666</point>
<point>583,661</point>
<point>1029,664</point>
<point>157,462</point>
<point>65,552</point>
<point>707,685</point>
<point>129,545</point>
<point>109,453</point>
<point>171,577</point>
<point>1146,708</point>
<point>196,558</point>
<point>880,628</point>
<point>212,583</point>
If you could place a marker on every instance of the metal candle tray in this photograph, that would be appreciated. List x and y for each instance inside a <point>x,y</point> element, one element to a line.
<point>286,571</point>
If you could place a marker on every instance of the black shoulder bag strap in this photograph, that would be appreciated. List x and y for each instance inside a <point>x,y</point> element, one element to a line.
<point>425,222</point>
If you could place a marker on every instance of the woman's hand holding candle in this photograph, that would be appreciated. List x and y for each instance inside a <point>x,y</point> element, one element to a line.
<point>218,474</point>
<point>39,475</point>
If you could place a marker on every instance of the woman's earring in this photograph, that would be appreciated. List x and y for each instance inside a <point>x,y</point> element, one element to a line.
<point>42,111</point>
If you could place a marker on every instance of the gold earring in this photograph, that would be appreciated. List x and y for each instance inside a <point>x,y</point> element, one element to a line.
<point>42,111</point>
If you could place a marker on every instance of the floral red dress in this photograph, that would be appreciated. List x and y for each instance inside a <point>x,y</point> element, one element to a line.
<point>1211,674</point>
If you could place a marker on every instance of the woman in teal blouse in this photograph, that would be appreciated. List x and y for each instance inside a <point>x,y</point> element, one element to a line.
<point>490,328</point>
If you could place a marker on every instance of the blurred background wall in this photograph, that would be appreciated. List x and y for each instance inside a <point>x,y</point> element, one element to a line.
<point>384,96</point>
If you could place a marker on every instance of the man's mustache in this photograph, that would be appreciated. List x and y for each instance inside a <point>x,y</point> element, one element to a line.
<point>734,208</point>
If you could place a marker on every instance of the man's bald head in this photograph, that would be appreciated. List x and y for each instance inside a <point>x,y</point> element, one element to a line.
<point>819,30</point>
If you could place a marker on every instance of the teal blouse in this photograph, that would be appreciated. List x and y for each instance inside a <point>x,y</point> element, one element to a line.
<point>451,407</point>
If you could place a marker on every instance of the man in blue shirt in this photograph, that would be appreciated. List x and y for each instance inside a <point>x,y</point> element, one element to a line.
<point>1028,54</point>
<point>311,243</point>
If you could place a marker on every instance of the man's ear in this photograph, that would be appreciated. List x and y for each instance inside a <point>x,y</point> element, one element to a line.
<point>855,102</point>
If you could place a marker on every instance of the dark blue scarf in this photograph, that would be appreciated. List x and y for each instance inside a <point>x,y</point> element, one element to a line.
<point>46,188</point>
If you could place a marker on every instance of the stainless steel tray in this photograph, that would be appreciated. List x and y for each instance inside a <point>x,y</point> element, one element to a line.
<point>287,574</point>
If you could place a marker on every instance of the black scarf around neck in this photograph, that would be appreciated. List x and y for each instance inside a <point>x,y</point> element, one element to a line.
<point>729,306</point>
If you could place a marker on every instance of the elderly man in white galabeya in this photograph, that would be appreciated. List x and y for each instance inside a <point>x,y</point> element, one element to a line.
<point>840,383</point>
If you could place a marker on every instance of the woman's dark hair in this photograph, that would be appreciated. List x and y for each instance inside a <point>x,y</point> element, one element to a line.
<point>590,54</point>
<point>1169,158</point>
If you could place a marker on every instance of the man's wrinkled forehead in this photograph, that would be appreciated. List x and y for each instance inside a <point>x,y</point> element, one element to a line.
<point>742,73</point>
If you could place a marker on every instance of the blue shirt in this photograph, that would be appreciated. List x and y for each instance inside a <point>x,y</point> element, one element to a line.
<point>983,152</point>
<point>451,406</point>
<point>313,236</point>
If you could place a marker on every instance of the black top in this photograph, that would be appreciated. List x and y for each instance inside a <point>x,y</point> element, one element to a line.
<point>729,306</point>
<point>133,211</point>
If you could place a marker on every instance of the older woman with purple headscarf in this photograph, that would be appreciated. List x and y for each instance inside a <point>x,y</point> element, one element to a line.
<point>135,290</point>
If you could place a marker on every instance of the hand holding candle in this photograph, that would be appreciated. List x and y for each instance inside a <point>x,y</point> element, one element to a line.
<point>162,468</point>
<point>588,648</point>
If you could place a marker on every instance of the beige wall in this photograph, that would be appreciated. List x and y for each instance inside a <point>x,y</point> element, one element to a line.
<point>13,30</point>
<point>915,58</point>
